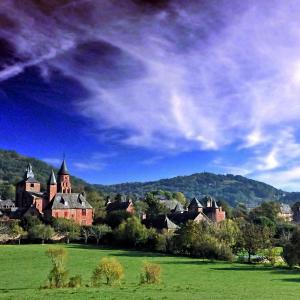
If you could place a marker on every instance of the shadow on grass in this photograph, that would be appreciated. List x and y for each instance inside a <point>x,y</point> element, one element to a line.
<point>190,262</point>
<point>294,280</point>
<point>272,270</point>
<point>244,268</point>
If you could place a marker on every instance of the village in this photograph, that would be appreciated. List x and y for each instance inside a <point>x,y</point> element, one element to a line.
<point>59,202</point>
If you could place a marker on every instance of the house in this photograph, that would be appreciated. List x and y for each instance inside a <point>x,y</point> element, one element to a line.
<point>285,212</point>
<point>6,205</point>
<point>126,206</point>
<point>161,222</point>
<point>205,210</point>
<point>58,201</point>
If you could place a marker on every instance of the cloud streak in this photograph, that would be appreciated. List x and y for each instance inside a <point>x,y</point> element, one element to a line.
<point>200,76</point>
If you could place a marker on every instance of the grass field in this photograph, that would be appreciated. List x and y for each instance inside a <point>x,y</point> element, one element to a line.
<point>23,269</point>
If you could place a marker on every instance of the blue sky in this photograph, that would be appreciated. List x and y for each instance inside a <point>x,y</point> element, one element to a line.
<point>136,91</point>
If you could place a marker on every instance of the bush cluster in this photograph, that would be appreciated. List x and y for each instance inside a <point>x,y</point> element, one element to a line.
<point>109,271</point>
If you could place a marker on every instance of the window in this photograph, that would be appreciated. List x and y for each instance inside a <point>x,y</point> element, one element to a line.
<point>32,185</point>
<point>84,212</point>
<point>56,215</point>
<point>66,214</point>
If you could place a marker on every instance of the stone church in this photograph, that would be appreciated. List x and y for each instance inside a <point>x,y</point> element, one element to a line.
<point>58,201</point>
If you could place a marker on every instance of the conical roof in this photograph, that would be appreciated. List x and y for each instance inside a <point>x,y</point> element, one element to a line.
<point>169,224</point>
<point>28,173</point>
<point>52,179</point>
<point>63,169</point>
<point>195,202</point>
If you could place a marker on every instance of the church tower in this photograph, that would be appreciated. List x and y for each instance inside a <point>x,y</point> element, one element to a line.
<point>64,183</point>
<point>28,184</point>
<point>52,186</point>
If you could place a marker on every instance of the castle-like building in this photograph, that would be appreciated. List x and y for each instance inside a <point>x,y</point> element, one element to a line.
<point>58,201</point>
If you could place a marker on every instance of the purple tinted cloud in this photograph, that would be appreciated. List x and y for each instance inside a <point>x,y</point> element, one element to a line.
<point>199,75</point>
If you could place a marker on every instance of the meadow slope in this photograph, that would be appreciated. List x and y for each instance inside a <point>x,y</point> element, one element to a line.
<point>24,269</point>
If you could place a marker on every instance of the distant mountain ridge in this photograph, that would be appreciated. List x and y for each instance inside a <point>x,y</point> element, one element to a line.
<point>231,188</point>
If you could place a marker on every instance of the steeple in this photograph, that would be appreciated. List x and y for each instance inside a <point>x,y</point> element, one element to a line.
<point>28,173</point>
<point>52,179</point>
<point>51,186</point>
<point>63,169</point>
<point>64,184</point>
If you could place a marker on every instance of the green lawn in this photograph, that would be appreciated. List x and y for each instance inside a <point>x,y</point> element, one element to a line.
<point>24,268</point>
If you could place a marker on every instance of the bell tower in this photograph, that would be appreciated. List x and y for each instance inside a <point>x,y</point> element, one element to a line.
<point>64,183</point>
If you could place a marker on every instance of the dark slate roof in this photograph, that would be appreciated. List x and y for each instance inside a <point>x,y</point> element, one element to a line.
<point>29,175</point>
<point>182,218</point>
<point>6,203</point>
<point>31,180</point>
<point>63,169</point>
<point>73,200</point>
<point>169,204</point>
<point>195,202</point>
<point>52,179</point>
<point>36,194</point>
<point>178,208</point>
<point>207,199</point>
<point>160,222</point>
<point>118,205</point>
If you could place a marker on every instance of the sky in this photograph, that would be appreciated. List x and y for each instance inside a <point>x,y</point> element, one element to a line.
<point>138,90</point>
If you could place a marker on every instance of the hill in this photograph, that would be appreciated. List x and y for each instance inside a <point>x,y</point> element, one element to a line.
<point>233,189</point>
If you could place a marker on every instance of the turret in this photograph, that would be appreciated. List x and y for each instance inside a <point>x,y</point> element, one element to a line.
<point>64,183</point>
<point>51,186</point>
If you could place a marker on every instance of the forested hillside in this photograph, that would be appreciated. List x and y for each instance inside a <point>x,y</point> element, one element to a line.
<point>12,168</point>
<point>233,189</point>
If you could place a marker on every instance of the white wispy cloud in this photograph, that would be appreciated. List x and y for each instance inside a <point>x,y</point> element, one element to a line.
<point>184,78</point>
<point>53,161</point>
<point>89,166</point>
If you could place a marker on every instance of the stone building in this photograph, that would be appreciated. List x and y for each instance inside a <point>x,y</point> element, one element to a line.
<point>207,210</point>
<point>58,201</point>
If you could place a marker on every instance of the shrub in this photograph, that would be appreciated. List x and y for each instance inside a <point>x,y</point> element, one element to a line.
<point>58,276</point>
<point>271,256</point>
<point>150,273</point>
<point>75,281</point>
<point>109,269</point>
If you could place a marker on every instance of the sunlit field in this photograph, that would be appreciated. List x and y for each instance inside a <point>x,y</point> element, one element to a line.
<point>24,269</point>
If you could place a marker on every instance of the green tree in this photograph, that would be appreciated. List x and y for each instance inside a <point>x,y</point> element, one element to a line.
<point>17,232</point>
<point>228,231</point>
<point>7,191</point>
<point>115,218</point>
<point>180,198</point>
<point>267,210</point>
<point>132,232</point>
<point>68,228</point>
<point>291,251</point>
<point>98,231</point>
<point>155,207</point>
<point>85,233</point>
<point>254,237</point>
<point>42,232</point>
<point>97,201</point>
